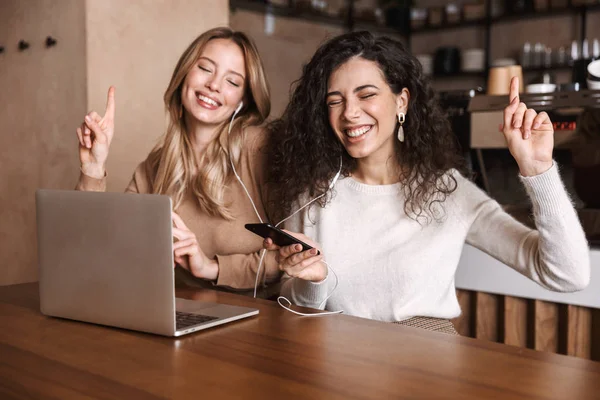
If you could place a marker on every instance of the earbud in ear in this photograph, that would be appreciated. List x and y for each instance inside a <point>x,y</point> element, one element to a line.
<point>239,107</point>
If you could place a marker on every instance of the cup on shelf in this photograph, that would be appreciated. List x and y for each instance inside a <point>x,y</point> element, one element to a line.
<point>593,75</point>
<point>540,88</point>
<point>473,11</point>
<point>569,87</point>
<point>473,60</point>
<point>452,13</point>
<point>504,62</point>
<point>593,85</point>
<point>436,16</point>
<point>526,55</point>
<point>516,70</point>
<point>498,81</point>
<point>579,72</point>
<point>593,71</point>
<point>426,61</point>
<point>418,17</point>
<point>446,60</point>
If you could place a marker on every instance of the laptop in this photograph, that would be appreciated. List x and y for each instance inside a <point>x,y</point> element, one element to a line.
<point>107,258</point>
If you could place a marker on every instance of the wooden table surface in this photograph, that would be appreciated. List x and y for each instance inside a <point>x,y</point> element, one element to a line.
<point>275,355</point>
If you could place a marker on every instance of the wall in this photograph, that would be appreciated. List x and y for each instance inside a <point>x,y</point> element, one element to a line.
<point>292,43</point>
<point>43,95</point>
<point>133,45</point>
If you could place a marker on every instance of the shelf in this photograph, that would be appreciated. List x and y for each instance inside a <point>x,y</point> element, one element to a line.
<point>458,25</point>
<point>544,69</point>
<point>529,15</point>
<point>288,12</point>
<point>371,26</point>
<point>261,7</point>
<point>459,75</point>
<point>570,11</point>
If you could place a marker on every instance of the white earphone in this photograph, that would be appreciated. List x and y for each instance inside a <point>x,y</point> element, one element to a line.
<point>335,178</point>
<point>331,185</point>
<point>239,107</point>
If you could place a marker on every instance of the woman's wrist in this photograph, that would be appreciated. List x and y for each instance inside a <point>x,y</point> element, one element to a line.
<point>211,269</point>
<point>535,168</point>
<point>323,277</point>
<point>93,170</point>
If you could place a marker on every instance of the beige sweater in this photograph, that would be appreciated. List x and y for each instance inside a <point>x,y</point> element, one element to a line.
<point>236,249</point>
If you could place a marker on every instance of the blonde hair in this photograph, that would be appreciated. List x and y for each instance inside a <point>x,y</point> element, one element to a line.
<point>173,161</point>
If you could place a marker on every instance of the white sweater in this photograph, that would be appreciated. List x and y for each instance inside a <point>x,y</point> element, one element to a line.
<point>390,268</point>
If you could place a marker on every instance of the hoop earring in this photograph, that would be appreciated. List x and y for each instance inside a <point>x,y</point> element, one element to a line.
<point>401,119</point>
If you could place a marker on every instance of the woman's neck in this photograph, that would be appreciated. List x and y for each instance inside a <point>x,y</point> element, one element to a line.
<point>377,171</point>
<point>201,135</point>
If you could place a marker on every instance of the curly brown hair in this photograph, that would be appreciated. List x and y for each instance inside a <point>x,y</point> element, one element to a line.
<point>305,153</point>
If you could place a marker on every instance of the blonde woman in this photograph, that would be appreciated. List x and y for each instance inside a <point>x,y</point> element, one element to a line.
<point>216,101</point>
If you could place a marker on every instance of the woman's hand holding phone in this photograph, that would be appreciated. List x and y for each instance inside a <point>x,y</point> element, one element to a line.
<point>307,265</point>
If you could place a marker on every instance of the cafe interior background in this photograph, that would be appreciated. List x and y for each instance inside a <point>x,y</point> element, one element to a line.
<point>58,58</point>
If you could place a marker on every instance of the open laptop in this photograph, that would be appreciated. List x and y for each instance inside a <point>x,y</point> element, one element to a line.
<point>107,258</point>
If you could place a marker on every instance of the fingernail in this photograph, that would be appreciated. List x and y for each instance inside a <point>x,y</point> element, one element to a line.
<point>536,125</point>
<point>297,247</point>
<point>313,252</point>
<point>527,135</point>
<point>87,118</point>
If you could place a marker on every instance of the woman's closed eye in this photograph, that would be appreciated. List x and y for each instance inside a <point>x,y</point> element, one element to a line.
<point>367,96</point>
<point>333,103</point>
<point>233,83</point>
<point>204,68</point>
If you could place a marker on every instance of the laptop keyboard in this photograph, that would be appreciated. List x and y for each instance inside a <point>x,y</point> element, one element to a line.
<point>184,320</point>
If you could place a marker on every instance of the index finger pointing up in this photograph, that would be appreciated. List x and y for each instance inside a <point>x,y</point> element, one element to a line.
<point>110,103</point>
<point>514,90</point>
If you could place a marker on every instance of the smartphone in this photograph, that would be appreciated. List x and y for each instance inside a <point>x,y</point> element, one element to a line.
<point>279,237</point>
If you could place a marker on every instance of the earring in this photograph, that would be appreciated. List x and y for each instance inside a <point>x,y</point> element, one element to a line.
<point>401,119</point>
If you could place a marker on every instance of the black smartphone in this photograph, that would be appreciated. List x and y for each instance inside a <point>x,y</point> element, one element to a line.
<point>279,237</point>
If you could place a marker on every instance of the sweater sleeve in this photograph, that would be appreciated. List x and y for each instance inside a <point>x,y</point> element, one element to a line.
<point>89,184</point>
<point>556,255</point>
<point>139,182</point>
<point>239,271</point>
<point>299,291</point>
<point>305,293</point>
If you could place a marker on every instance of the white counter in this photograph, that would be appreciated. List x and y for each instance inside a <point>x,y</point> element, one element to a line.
<point>480,272</point>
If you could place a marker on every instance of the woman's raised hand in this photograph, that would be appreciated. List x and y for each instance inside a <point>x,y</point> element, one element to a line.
<point>530,136</point>
<point>95,135</point>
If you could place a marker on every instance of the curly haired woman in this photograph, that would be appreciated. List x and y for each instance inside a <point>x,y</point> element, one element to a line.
<point>393,228</point>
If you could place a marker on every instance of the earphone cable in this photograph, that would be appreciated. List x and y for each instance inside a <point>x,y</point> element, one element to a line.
<point>263,253</point>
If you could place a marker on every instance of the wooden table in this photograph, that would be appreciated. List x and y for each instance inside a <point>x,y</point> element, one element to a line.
<point>275,355</point>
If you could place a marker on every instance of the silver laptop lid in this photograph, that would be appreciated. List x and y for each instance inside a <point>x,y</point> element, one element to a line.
<point>107,258</point>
